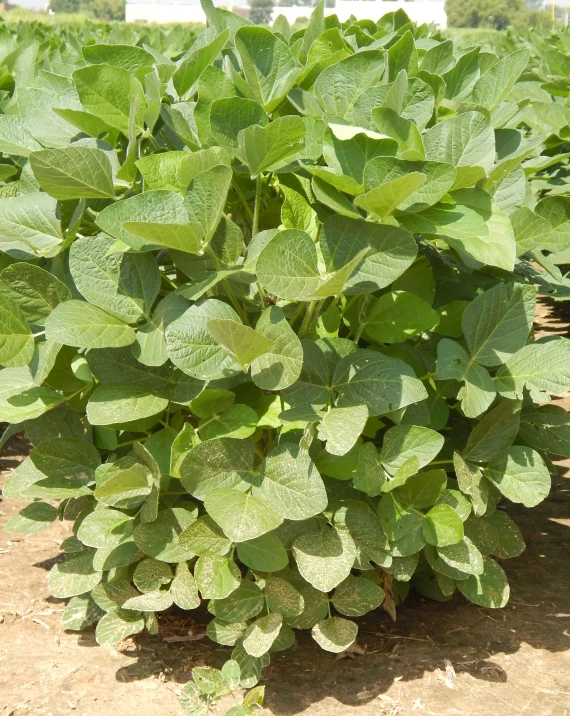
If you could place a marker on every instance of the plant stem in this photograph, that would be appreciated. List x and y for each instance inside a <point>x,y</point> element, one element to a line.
<point>243,200</point>
<point>255,226</point>
<point>307,319</point>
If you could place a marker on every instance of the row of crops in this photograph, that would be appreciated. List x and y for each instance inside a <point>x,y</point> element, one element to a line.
<point>266,317</point>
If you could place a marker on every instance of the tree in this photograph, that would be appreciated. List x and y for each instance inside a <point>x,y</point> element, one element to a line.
<point>261,11</point>
<point>65,5</point>
<point>485,13</point>
<point>105,9</point>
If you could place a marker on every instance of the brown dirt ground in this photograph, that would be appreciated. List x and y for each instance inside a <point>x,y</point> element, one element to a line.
<point>512,661</point>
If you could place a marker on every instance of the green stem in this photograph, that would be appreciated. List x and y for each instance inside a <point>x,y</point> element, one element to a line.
<point>262,294</point>
<point>358,334</point>
<point>441,462</point>
<point>347,305</point>
<point>255,226</point>
<point>242,313</point>
<point>307,319</point>
<point>155,145</point>
<point>243,200</point>
<point>127,442</point>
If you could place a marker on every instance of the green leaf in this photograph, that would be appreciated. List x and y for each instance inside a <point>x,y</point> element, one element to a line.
<point>324,558</point>
<point>124,285</point>
<point>397,316</point>
<point>489,589</point>
<point>129,57</point>
<point>243,343</point>
<point>335,634</point>
<point>341,427</point>
<point>192,347</point>
<point>556,211</point>
<point>466,140</point>
<point>540,366</point>
<point>123,484</point>
<point>369,476</point>
<point>34,289</point>
<point>107,92</point>
<point>160,539</point>
<point>21,399</point>
<point>546,428</point>
<point>394,250</point>
<point>74,576</point>
<point>77,323</point>
<point>151,602</point>
<point>229,115</point>
<point>454,363</point>
<point>192,700</point>
<point>280,366</point>
<point>380,382</point>
<point>30,225</point>
<point>117,625</point>
<point>191,68</point>
<point>269,148</point>
<point>439,179</point>
<point>268,66</point>
<point>112,404</point>
<point>73,173</point>
<point>338,87</point>
<point>386,198</point>
<point>144,209</point>
<point>497,323</point>
<point>105,528</point>
<point>71,458</point>
<point>520,475</point>
<point>402,55</point>
<point>495,433</point>
<point>225,633</point>
<point>357,596</point>
<point>81,612</point>
<point>221,463</point>
<point>287,266</point>
<point>404,131</point>
<point>283,598</point>
<point>238,421</point>
<point>290,485</point>
<point>209,680</point>
<point>243,603</point>
<point>216,576</point>
<point>424,489</point>
<point>442,526</point>
<point>183,589</point>
<point>460,559</point>
<point>496,534</point>
<point>494,85</point>
<point>33,518</point>
<point>16,339</point>
<point>460,78</point>
<point>260,635</point>
<point>250,666</point>
<point>242,517</point>
<point>15,138</point>
<point>206,197</point>
<point>265,553</point>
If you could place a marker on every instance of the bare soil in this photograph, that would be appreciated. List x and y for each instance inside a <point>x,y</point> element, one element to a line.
<point>452,658</point>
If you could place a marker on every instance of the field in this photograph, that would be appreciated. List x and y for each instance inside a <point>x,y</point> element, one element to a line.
<point>284,368</point>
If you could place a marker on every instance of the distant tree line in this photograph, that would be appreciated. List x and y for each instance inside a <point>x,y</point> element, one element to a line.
<point>99,9</point>
<point>497,14</point>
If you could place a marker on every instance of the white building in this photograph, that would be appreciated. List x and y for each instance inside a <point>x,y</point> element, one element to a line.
<point>164,11</point>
